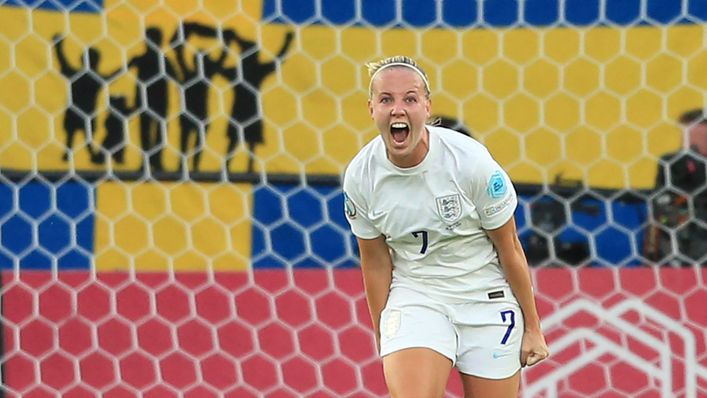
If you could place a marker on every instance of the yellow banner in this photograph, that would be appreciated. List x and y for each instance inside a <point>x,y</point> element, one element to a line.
<point>595,104</point>
<point>173,227</point>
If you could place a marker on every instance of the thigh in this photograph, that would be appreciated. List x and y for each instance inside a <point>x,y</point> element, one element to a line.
<point>412,320</point>
<point>416,372</point>
<point>479,387</point>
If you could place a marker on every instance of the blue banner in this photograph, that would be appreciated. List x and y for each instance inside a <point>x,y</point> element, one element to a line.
<point>486,13</point>
<point>88,6</point>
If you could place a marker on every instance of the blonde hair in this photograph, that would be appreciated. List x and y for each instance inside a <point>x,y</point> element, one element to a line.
<point>391,62</point>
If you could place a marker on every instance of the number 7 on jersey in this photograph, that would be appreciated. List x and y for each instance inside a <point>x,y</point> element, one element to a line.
<point>416,234</point>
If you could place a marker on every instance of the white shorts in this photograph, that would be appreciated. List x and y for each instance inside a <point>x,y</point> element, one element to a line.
<point>482,338</point>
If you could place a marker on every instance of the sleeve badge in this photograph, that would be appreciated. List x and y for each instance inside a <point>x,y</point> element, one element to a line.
<point>497,186</point>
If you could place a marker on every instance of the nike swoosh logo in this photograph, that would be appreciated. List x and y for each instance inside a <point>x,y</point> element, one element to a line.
<point>497,354</point>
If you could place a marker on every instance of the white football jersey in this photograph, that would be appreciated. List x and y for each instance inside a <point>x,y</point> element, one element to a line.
<point>433,215</point>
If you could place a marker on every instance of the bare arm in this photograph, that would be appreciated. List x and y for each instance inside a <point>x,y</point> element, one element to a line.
<point>515,267</point>
<point>377,268</point>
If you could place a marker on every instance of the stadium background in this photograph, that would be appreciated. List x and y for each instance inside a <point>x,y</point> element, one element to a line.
<point>244,284</point>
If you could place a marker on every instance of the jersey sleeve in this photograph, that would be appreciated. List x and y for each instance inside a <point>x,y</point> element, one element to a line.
<point>492,192</point>
<point>356,209</point>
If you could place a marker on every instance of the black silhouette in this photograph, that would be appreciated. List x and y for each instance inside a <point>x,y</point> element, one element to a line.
<point>113,144</point>
<point>246,112</point>
<point>195,81</point>
<point>85,85</point>
<point>452,124</point>
<point>153,69</point>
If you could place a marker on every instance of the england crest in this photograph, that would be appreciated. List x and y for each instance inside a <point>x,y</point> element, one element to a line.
<point>449,207</point>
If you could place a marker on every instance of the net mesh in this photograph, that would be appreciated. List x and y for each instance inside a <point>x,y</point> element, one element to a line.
<point>171,219</point>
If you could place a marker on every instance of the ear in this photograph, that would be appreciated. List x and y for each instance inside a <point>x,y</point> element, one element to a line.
<point>370,108</point>
<point>428,107</point>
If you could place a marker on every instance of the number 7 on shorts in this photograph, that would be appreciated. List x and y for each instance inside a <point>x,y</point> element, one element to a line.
<point>511,316</point>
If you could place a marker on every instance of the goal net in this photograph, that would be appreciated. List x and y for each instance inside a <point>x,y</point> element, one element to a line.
<point>171,217</point>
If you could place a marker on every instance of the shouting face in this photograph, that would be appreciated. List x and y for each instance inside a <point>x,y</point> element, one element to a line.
<point>400,106</point>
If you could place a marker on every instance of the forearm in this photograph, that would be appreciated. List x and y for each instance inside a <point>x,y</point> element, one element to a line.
<point>376,280</point>
<point>377,269</point>
<point>516,270</point>
<point>515,267</point>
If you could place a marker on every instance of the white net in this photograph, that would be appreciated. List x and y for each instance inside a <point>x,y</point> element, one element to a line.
<point>171,221</point>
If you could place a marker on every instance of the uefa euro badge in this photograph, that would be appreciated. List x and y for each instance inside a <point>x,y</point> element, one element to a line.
<point>497,185</point>
<point>349,207</point>
<point>449,207</point>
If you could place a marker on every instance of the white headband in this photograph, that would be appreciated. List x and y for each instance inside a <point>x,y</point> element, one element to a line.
<point>416,69</point>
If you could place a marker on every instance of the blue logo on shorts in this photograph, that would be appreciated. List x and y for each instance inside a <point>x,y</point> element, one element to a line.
<point>499,354</point>
<point>497,185</point>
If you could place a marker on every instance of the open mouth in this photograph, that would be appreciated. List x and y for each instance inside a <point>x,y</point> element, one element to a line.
<point>399,131</point>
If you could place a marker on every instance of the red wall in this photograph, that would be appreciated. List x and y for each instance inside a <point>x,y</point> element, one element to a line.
<point>617,333</point>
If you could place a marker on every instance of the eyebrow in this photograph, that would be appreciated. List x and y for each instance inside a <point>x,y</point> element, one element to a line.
<point>416,92</point>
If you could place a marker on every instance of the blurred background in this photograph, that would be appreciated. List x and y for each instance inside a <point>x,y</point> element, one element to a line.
<point>171,218</point>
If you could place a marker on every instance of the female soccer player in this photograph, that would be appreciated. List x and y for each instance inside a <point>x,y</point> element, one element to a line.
<point>446,278</point>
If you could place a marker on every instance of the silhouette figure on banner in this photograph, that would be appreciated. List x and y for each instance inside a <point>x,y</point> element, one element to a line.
<point>194,118</point>
<point>246,113</point>
<point>153,72</point>
<point>113,144</point>
<point>85,85</point>
<point>193,72</point>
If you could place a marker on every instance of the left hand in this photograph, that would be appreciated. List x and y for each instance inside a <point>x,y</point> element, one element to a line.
<point>533,349</point>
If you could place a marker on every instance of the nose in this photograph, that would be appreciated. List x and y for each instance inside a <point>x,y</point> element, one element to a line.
<point>397,109</point>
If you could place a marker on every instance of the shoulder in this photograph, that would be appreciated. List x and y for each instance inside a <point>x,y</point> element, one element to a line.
<point>360,166</point>
<point>458,143</point>
<point>467,154</point>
